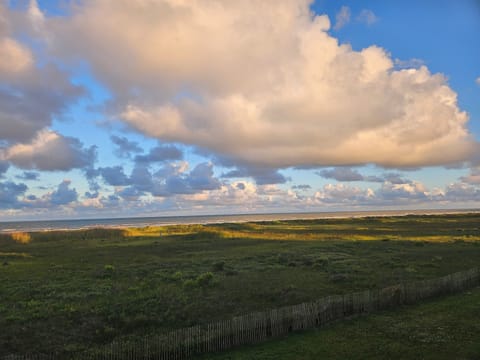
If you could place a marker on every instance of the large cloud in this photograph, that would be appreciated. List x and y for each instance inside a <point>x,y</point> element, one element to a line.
<point>263,83</point>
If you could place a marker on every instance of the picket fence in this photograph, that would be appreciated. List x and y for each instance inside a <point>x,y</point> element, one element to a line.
<point>257,327</point>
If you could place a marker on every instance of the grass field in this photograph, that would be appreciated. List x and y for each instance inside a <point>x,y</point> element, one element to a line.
<point>440,329</point>
<point>66,291</point>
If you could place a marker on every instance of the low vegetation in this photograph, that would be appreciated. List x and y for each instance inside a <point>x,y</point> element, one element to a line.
<point>440,329</point>
<point>67,291</point>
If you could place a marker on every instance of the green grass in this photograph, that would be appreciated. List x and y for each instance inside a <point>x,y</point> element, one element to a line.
<point>73,290</point>
<point>446,328</point>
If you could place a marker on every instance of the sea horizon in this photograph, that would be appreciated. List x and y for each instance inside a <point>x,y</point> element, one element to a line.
<point>143,221</point>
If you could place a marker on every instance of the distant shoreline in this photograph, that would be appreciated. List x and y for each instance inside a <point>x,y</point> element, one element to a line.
<point>123,223</point>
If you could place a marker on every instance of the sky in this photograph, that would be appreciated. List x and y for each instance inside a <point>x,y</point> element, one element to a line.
<point>119,108</point>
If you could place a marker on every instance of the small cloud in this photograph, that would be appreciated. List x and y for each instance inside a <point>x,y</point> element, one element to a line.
<point>341,174</point>
<point>91,195</point>
<point>202,178</point>
<point>395,178</point>
<point>125,146</point>
<point>262,176</point>
<point>408,64</point>
<point>199,179</point>
<point>130,193</point>
<point>407,191</point>
<point>473,178</point>
<point>478,80</point>
<point>462,192</point>
<point>341,193</point>
<point>240,186</point>
<point>114,175</point>
<point>342,18</point>
<point>28,175</point>
<point>367,17</point>
<point>50,151</point>
<point>63,195</point>
<point>301,187</point>
<point>348,174</point>
<point>160,153</point>
<point>9,194</point>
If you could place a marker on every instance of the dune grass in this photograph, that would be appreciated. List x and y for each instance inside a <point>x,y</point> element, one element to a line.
<point>69,290</point>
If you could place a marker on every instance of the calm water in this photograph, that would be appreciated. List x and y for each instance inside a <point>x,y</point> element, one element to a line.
<point>10,226</point>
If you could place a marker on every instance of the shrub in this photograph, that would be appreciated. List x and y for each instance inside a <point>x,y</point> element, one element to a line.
<point>109,268</point>
<point>219,266</point>
<point>202,280</point>
<point>177,276</point>
<point>205,279</point>
<point>189,283</point>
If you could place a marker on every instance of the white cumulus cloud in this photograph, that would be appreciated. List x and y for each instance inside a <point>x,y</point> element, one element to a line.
<point>263,83</point>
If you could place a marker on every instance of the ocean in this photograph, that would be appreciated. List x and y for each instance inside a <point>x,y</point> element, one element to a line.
<point>76,224</point>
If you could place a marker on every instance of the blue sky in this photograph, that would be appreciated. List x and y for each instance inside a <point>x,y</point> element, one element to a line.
<point>133,108</point>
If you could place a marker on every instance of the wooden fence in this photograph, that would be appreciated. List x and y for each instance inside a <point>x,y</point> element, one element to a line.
<point>260,326</point>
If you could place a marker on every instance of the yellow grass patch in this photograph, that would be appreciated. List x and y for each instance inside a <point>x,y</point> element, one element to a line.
<point>14,254</point>
<point>21,237</point>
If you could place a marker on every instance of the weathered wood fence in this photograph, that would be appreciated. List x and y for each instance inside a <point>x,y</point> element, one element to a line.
<point>260,326</point>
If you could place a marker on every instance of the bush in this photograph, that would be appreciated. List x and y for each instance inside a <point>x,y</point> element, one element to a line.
<point>219,266</point>
<point>205,279</point>
<point>202,280</point>
<point>107,272</point>
<point>177,276</point>
<point>109,268</point>
<point>189,283</point>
